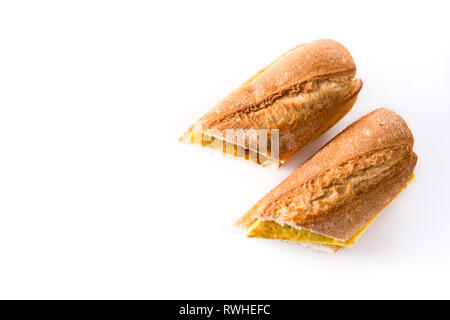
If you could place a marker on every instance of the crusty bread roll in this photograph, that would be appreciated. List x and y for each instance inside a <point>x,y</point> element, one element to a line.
<point>330,199</point>
<point>284,106</point>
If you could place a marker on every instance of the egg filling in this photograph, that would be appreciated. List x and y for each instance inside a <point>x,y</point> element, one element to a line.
<point>227,148</point>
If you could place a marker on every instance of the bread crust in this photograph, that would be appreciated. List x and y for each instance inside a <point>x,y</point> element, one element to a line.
<point>324,248</point>
<point>302,133</point>
<point>298,70</point>
<point>381,131</point>
<point>315,60</point>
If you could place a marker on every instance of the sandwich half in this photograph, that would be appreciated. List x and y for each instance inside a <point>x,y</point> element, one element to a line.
<point>330,200</point>
<point>283,107</point>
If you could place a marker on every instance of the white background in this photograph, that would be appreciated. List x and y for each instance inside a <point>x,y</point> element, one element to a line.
<point>98,199</point>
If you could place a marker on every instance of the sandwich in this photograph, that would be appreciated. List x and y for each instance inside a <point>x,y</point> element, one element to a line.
<point>330,200</point>
<point>283,107</point>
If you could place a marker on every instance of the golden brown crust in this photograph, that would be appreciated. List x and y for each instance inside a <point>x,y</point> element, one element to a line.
<point>301,132</point>
<point>346,183</point>
<point>302,94</point>
<point>343,222</point>
<point>315,60</point>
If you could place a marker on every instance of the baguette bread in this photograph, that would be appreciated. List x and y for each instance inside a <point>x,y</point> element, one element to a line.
<point>283,107</point>
<point>332,198</point>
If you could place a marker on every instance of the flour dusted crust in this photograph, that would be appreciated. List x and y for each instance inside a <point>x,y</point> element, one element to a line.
<point>317,247</point>
<point>346,183</point>
<point>302,94</point>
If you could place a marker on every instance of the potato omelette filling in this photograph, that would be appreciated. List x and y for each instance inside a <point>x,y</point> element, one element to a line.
<point>227,148</point>
<point>272,230</point>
